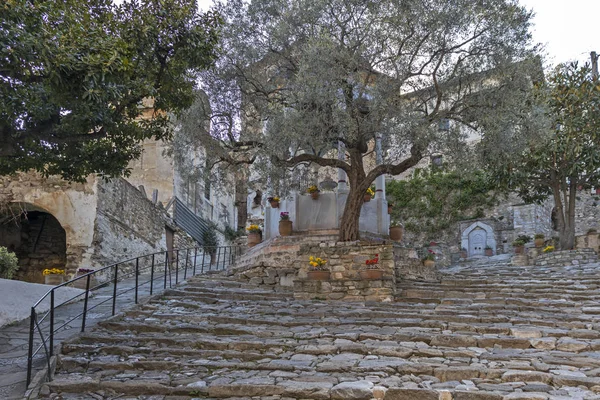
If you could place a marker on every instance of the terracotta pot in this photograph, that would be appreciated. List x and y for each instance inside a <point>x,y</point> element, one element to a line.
<point>519,249</point>
<point>314,195</point>
<point>396,233</point>
<point>371,274</point>
<point>274,204</point>
<point>254,238</point>
<point>463,254</point>
<point>489,252</point>
<point>429,263</point>
<point>367,198</point>
<point>285,228</point>
<point>318,275</point>
<point>538,242</point>
<point>54,279</point>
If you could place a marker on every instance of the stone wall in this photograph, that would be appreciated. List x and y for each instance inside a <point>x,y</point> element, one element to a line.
<point>587,212</point>
<point>347,290</point>
<point>567,257</point>
<point>127,224</point>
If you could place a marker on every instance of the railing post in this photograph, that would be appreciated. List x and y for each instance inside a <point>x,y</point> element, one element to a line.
<point>152,276</point>
<point>30,351</point>
<point>203,255</point>
<point>195,255</point>
<point>166,265</point>
<point>137,272</point>
<point>187,254</point>
<point>51,322</point>
<point>114,304</point>
<point>85,302</point>
<point>177,267</point>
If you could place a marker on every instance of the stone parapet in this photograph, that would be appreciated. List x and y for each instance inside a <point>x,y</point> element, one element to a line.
<point>567,257</point>
<point>345,289</point>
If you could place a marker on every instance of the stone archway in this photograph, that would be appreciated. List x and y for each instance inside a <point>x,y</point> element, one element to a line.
<point>477,237</point>
<point>37,238</point>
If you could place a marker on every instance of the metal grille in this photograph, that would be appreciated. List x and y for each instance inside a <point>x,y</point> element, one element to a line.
<point>189,222</point>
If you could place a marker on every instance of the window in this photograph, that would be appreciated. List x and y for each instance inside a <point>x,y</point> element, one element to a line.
<point>444,124</point>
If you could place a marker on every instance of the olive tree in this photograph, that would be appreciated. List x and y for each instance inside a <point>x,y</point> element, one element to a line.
<point>296,78</point>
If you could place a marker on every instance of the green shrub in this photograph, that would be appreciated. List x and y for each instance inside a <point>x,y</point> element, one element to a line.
<point>9,263</point>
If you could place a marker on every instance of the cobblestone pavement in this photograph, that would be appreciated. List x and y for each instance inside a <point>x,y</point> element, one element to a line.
<point>498,333</point>
<point>14,338</point>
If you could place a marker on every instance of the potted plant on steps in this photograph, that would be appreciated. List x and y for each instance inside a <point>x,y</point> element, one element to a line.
<point>396,230</point>
<point>489,251</point>
<point>369,194</point>
<point>254,235</point>
<point>53,276</point>
<point>519,246</point>
<point>317,270</point>
<point>429,259</point>
<point>285,225</point>
<point>210,241</point>
<point>538,239</point>
<point>274,201</point>
<point>372,271</point>
<point>313,191</point>
<point>463,253</point>
<point>82,283</point>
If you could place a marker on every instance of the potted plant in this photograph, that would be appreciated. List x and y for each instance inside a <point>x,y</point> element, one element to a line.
<point>274,201</point>
<point>285,225</point>
<point>254,235</point>
<point>396,230</point>
<point>53,276</point>
<point>429,259</point>
<point>210,241</point>
<point>538,239</point>
<point>372,271</point>
<point>463,253</point>
<point>313,191</point>
<point>489,251</point>
<point>82,283</point>
<point>519,246</point>
<point>524,238</point>
<point>548,249</point>
<point>317,270</point>
<point>369,194</point>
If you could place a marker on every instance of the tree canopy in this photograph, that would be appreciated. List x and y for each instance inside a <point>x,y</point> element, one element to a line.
<point>73,75</point>
<point>298,77</point>
<point>561,154</point>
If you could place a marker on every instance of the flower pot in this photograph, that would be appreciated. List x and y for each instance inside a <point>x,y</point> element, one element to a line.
<point>429,263</point>
<point>318,275</point>
<point>314,195</point>
<point>371,274</point>
<point>538,242</point>
<point>396,233</point>
<point>367,198</point>
<point>489,252</point>
<point>254,238</point>
<point>81,283</point>
<point>519,249</point>
<point>54,279</point>
<point>274,204</point>
<point>463,254</point>
<point>285,228</point>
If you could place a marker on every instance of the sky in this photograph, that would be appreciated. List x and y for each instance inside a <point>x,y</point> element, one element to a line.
<point>569,29</point>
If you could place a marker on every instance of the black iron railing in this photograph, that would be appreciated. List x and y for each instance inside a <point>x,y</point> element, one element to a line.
<point>143,275</point>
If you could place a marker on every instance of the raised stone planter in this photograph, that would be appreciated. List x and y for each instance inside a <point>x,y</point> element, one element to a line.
<point>567,257</point>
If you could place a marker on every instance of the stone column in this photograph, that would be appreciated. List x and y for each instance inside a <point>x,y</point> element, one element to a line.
<point>342,178</point>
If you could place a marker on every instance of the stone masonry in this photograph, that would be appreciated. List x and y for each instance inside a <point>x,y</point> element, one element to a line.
<point>496,332</point>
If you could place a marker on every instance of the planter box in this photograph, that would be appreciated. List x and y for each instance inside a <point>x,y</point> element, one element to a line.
<point>285,228</point>
<point>254,239</point>
<point>371,274</point>
<point>318,275</point>
<point>54,279</point>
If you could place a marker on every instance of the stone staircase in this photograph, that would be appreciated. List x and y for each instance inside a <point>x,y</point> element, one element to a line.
<point>496,332</point>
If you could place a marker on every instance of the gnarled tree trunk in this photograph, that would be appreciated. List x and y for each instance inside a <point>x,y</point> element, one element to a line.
<point>564,201</point>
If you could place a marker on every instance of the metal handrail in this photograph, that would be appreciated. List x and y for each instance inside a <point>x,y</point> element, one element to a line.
<point>166,262</point>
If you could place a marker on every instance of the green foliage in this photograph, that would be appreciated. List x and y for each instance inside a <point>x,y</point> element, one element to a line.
<point>231,234</point>
<point>9,264</point>
<point>74,74</point>
<point>524,238</point>
<point>210,240</point>
<point>561,153</point>
<point>518,243</point>
<point>433,200</point>
<point>539,236</point>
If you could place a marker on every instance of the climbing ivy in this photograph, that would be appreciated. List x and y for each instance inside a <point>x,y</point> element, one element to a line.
<point>432,200</point>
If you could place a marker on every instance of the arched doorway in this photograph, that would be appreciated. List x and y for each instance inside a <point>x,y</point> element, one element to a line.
<point>36,237</point>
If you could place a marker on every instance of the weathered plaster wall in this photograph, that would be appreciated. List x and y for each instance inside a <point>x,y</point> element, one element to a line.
<point>72,204</point>
<point>153,170</point>
<point>127,224</point>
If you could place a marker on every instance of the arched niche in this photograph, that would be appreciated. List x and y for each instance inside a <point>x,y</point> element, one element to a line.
<point>478,235</point>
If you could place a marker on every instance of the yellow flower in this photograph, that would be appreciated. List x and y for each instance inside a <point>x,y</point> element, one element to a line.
<point>53,271</point>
